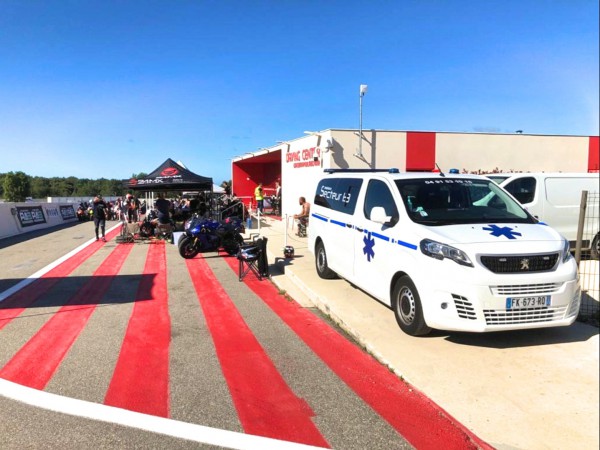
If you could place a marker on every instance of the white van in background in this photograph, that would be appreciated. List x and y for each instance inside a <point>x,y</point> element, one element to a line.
<point>555,199</point>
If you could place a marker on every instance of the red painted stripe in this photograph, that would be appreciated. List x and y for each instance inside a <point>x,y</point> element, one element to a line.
<point>265,403</point>
<point>140,381</point>
<point>423,423</point>
<point>35,363</point>
<point>14,305</point>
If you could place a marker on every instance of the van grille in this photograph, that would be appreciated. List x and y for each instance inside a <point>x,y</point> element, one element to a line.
<point>521,316</point>
<point>526,289</point>
<point>464,307</point>
<point>520,264</point>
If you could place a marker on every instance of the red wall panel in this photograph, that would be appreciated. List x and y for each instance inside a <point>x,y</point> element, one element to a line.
<point>593,155</point>
<point>420,151</point>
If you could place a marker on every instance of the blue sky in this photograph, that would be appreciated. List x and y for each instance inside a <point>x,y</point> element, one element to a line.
<point>109,88</point>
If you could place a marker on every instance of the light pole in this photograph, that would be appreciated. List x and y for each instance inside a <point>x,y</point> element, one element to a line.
<point>361,94</point>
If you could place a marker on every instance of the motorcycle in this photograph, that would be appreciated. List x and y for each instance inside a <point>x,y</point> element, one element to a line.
<point>205,235</point>
<point>82,213</point>
<point>151,227</point>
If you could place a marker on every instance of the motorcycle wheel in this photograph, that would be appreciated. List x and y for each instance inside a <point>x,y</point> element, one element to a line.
<point>187,249</point>
<point>146,230</point>
<point>232,244</point>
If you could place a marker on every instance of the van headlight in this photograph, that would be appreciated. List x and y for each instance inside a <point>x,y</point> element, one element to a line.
<point>566,251</point>
<point>441,251</point>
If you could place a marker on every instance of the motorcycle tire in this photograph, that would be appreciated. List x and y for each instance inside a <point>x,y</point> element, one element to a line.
<point>232,244</point>
<point>186,246</point>
<point>146,230</point>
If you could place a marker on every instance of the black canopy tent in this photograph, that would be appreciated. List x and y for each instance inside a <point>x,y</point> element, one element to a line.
<point>170,176</point>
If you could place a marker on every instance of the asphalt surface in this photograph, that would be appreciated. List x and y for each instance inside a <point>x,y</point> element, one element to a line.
<point>232,363</point>
<point>534,389</point>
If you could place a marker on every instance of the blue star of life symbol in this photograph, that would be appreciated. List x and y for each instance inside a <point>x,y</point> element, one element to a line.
<point>368,248</point>
<point>502,231</point>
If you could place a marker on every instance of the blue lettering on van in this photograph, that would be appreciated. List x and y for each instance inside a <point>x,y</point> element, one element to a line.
<point>368,248</point>
<point>502,231</point>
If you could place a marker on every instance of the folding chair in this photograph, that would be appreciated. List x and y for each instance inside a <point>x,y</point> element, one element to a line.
<point>253,258</point>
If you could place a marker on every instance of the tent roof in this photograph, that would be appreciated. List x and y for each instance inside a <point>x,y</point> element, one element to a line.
<point>170,176</point>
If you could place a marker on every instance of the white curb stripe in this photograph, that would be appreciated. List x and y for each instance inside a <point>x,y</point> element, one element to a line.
<point>140,421</point>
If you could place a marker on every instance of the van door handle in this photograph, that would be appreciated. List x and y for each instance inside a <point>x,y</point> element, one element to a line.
<point>348,225</point>
<point>360,230</point>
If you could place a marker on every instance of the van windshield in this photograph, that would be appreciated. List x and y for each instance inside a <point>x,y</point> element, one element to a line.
<point>450,201</point>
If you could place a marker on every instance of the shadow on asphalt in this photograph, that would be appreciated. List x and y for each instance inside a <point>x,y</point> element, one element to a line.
<point>578,332</point>
<point>41,293</point>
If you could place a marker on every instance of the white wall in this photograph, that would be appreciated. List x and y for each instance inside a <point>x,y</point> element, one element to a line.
<point>10,225</point>
<point>519,153</point>
<point>300,171</point>
<point>388,148</point>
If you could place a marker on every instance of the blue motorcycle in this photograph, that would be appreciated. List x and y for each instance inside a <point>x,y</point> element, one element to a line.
<point>207,235</point>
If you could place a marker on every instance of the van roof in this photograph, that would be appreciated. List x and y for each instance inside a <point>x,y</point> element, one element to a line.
<point>395,174</point>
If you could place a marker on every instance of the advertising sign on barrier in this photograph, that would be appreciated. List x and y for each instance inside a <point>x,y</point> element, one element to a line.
<point>67,212</point>
<point>30,215</point>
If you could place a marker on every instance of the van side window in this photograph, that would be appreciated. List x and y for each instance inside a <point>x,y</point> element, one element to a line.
<point>379,194</point>
<point>523,189</point>
<point>339,194</point>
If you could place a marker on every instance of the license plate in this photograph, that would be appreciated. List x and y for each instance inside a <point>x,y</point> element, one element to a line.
<point>527,302</point>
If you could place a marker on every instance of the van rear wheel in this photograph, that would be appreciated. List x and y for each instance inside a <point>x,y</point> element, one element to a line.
<point>407,307</point>
<point>323,269</point>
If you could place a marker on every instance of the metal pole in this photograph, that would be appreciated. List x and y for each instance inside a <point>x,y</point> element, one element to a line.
<point>360,96</point>
<point>582,208</point>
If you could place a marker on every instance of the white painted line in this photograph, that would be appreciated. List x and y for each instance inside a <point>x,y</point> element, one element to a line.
<point>145,422</point>
<point>31,278</point>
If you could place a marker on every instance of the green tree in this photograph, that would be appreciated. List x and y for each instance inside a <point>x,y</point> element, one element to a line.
<point>17,186</point>
<point>40,188</point>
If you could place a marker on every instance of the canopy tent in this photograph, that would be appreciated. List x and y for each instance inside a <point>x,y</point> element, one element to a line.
<point>170,176</point>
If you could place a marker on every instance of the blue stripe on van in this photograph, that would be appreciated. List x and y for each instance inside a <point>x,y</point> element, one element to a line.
<point>317,216</point>
<point>380,236</point>
<point>335,222</point>
<point>387,239</point>
<point>406,244</point>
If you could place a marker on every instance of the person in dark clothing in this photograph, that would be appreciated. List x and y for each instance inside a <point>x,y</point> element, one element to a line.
<point>163,207</point>
<point>133,205</point>
<point>100,209</point>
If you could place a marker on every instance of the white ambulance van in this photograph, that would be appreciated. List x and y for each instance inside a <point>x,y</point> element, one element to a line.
<point>444,251</point>
<point>555,198</point>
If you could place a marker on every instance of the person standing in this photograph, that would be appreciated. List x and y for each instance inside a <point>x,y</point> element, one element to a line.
<point>163,207</point>
<point>259,197</point>
<point>133,205</point>
<point>100,209</point>
<point>278,198</point>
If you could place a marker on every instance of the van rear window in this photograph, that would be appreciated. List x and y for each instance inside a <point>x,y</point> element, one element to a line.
<point>339,194</point>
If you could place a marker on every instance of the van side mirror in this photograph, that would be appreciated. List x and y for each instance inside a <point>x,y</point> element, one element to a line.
<point>378,216</point>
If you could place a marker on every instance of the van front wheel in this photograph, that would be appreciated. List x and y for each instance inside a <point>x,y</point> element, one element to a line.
<point>595,253</point>
<point>323,269</point>
<point>406,304</point>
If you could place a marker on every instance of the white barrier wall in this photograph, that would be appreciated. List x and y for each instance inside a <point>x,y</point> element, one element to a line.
<point>17,218</point>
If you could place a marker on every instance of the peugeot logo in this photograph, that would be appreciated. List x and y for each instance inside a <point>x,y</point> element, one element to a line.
<point>524,264</point>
